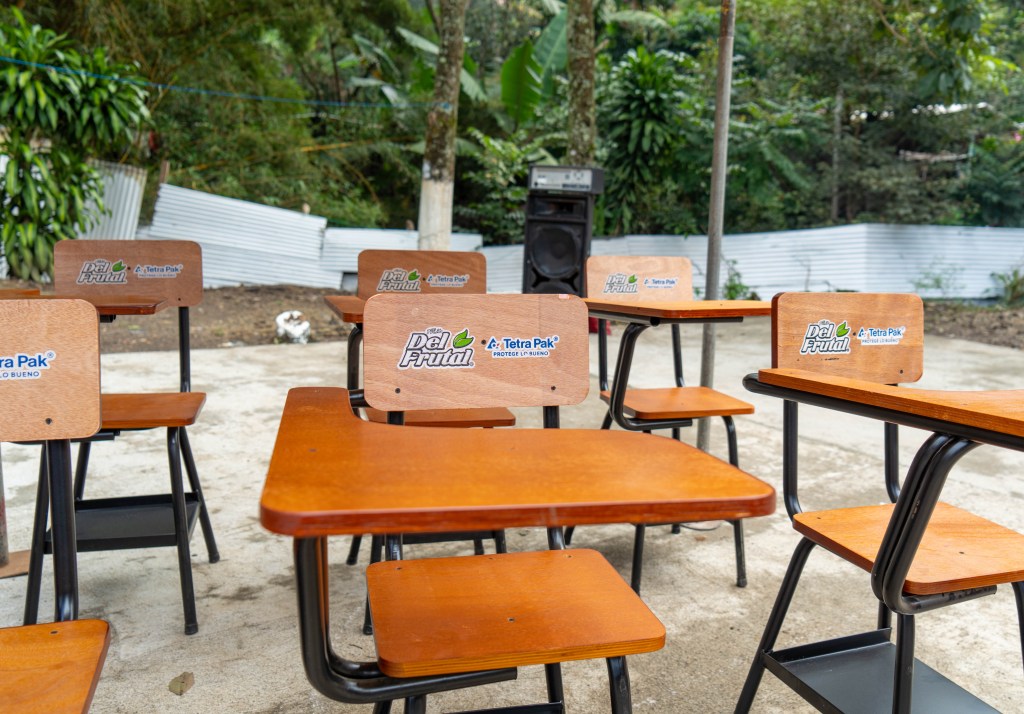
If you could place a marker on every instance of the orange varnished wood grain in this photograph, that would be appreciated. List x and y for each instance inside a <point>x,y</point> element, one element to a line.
<point>444,615</point>
<point>555,374</point>
<point>51,668</point>
<point>333,473</point>
<point>437,271</point>
<point>167,269</point>
<point>151,410</point>
<point>348,307</point>
<point>682,310</point>
<point>60,400</point>
<point>960,550</point>
<point>902,361</point>
<point>679,403</point>
<point>8,293</point>
<point>640,278</point>
<point>466,418</point>
<point>999,411</point>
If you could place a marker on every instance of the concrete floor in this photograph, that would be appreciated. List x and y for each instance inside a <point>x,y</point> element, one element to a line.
<point>245,657</point>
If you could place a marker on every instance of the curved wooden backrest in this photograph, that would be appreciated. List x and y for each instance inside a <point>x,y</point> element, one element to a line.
<point>421,271</point>
<point>461,351</point>
<point>640,278</point>
<point>170,269</point>
<point>49,370</point>
<point>871,336</point>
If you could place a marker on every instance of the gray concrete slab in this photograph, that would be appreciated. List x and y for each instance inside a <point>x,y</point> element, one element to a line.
<point>245,657</point>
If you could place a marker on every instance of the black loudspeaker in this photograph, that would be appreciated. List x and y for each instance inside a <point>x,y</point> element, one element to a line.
<point>557,243</point>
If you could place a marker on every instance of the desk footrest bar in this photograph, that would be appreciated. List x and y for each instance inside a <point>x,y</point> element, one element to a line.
<point>129,522</point>
<point>854,675</point>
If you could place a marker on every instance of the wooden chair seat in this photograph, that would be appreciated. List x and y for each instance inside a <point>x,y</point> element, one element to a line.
<point>680,403</point>
<point>464,418</point>
<point>151,411</point>
<point>960,550</point>
<point>51,668</point>
<point>505,610</point>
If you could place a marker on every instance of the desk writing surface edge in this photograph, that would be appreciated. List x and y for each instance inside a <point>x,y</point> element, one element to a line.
<point>1000,411</point>
<point>325,477</point>
<point>690,309</point>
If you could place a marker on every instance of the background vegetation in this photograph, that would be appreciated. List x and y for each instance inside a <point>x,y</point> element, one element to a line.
<point>900,111</point>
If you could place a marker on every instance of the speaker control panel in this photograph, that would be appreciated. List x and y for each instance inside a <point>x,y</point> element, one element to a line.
<point>575,179</point>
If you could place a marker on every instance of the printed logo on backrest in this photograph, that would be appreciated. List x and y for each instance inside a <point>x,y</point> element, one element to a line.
<point>660,283</point>
<point>880,335</point>
<point>103,272</point>
<point>620,283</point>
<point>435,280</point>
<point>25,366</point>
<point>826,338</point>
<point>158,271</point>
<point>521,347</point>
<point>399,280</point>
<point>435,348</point>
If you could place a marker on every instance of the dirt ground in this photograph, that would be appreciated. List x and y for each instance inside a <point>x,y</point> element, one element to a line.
<point>232,317</point>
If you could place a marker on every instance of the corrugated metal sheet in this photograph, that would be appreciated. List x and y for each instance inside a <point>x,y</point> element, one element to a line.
<point>123,186</point>
<point>934,261</point>
<point>343,245</point>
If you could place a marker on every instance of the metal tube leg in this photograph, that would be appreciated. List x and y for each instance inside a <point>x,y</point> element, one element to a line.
<point>618,681</point>
<point>478,546</point>
<point>500,546</point>
<point>188,597</point>
<point>376,553</point>
<point>607,423</point>
<point>638,558</point>
<point>884,616</point>
<point>353,550</point>
<point>903,677</point>
<point>553,679</point>
<point>197,489</point>
<point>569,530</point>
<point>382,708</point>
<point>416,705</point>
<point>774,624</point>
<point>35,557</point>
<point>81,467</point>
<point>1018,591</point>
<point>741,558</point>
<point>62,526</point>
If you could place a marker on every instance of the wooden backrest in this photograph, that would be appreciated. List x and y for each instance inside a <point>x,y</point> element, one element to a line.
<point>421,271</point>
<point>451,351</point>
<point>49,370</point>
<point>170,269</point>
<point>640,278</point>
<point>872,336</point>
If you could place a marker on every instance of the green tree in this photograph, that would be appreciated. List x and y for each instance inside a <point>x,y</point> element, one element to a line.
<point>53,121</point>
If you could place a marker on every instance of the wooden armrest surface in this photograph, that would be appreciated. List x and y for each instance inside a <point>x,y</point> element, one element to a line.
<point>348,307</point>
<point>679,403</point>
<point>959,550</point>
<point>444,615</point>
<point>998,411</point>
<point>51,668</point>
<point>684,310</point>
<point>150,411</point>
<point>333,473</point>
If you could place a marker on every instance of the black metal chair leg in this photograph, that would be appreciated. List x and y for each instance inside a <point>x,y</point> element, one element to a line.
<point>382,707</point>
<point>741,557</point>
<point>353,550</point>
<point>197,489</point>
<point>553,679</point>
<point>478,546</point>
<point>638,558</point>
<point>416,705</point>
<point>1018,591</point>
<point>35,557</point>
<point>81,467</point>
<point>376,555</point>
<point>618,682</point>
<point>774,624</point>
<point>188,597</point>
<point>500,546</point>
<point>567,537</point>
<point>903,676</point>
<point>607,423</point>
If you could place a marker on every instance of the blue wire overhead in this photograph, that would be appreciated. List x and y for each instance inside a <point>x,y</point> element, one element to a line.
<point>218,92</point>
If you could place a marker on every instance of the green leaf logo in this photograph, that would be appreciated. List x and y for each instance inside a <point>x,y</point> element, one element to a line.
<point>632,279</point>
<point>462,340</point>
<point>413,275</point>
<point>843,330</point>
<point>118,266</point>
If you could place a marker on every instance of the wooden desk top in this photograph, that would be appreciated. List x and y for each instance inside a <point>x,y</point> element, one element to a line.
<point>109,305</point>
<point>682,310</point>
<point>348,307</point>
<point>999,411</point>
<point>332,473</point>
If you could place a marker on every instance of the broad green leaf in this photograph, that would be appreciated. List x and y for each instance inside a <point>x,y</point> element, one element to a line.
<point>551,52</point>
<point>520,84</point>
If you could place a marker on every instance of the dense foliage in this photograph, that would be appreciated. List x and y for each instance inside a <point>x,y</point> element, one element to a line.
<point>903,111</point>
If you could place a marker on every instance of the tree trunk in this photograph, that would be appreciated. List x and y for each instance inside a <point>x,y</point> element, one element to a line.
<point>582,113</point>
<point>837,135</point>
<point>437,189</point>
